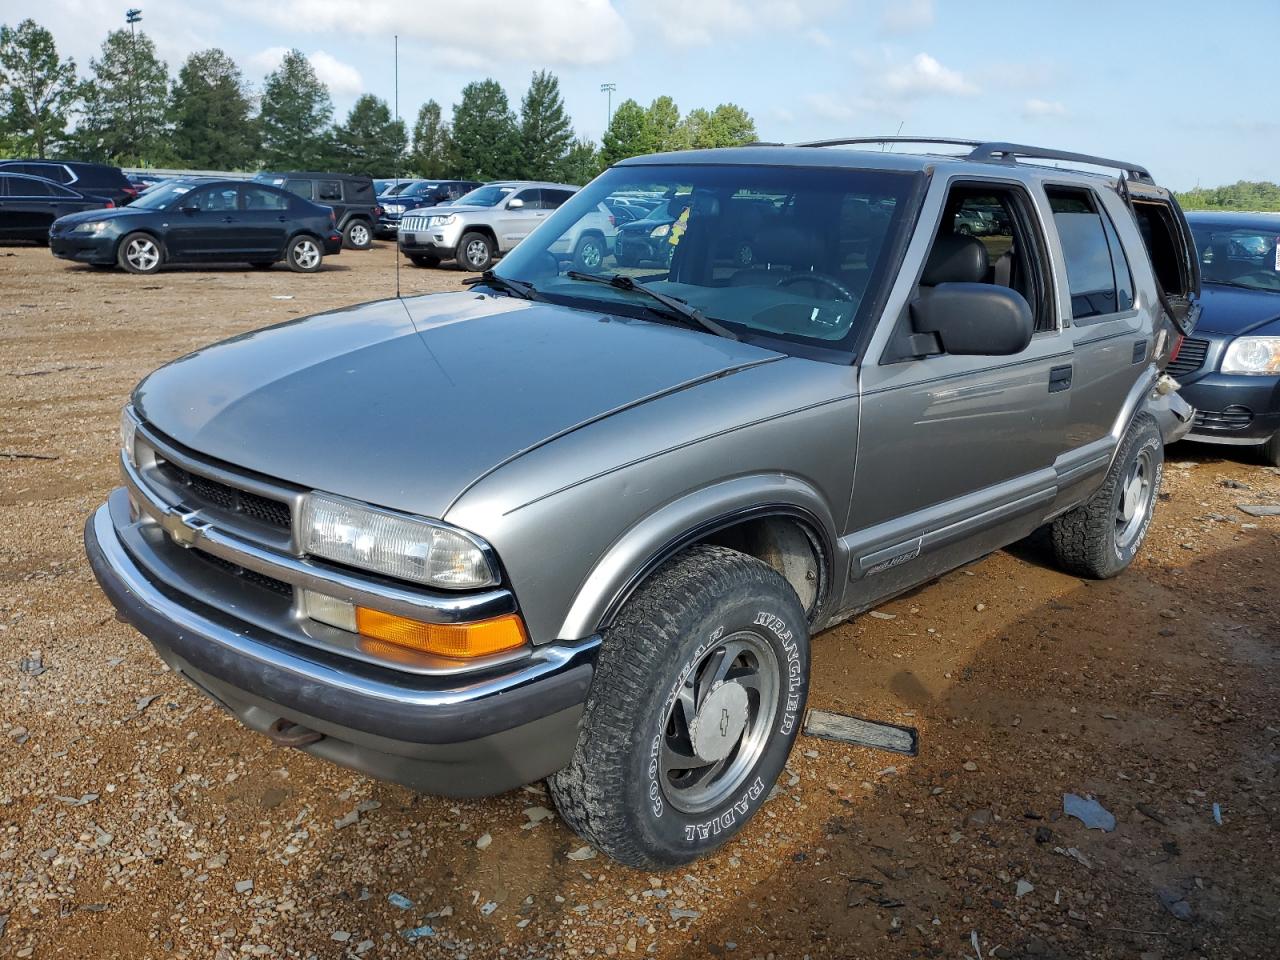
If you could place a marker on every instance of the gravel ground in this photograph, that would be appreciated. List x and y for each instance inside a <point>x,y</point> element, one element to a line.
<point>140,821</point>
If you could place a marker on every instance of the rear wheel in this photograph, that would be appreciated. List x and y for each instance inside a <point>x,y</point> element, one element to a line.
<point>697,697</point>
<point>424,260</point>
<point>358,235</point>
<point>305,255</point>
<point>140,253</point>
<point>475,252</point>
<point>589,254</point>
<point>1101,537</point>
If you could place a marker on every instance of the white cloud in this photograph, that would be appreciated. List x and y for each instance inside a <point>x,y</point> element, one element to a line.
<point>825,106</point>
<point>818,38</point>
<point>907,16</point>
<point>924,76</point>
<point>341,78</point>
<point>551,32</point>
<point>704,22</point>
<point>1036,107</point>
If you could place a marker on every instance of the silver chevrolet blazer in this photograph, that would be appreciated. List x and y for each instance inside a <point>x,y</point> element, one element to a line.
<point>581,522</point>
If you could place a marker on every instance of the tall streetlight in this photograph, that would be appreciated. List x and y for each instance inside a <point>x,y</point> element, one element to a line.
<point>608,89</point>
<point>133,16</point>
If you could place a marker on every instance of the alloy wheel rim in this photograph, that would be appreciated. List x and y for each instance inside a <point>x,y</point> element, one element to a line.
<point>477,253</point>
<point>591,255</point>
<point>306,254</point>
<point>359,235</point>
<point>1136,496</point>
<point>718,724</point>
<point>142,254</point>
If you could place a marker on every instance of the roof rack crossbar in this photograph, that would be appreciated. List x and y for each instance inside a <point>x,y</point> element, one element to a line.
<point>995,152</point>
<point>849,141</point>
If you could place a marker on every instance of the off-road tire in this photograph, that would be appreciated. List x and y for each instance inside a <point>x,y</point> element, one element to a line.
<point>1084,539</point>
<point>1271,451</point>
<point>468,247</point>
<point>423,260</point>
<point>129,260</point>
<point>610,793</point>
<point>357,235</point>
<point>298,260</point>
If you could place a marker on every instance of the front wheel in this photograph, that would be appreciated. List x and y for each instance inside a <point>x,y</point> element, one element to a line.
<point>475,252</point>
<point>304,255</point>
<point>357,235</point>
<point>589,254</point>
<point>698,695</point>
<point>140,253</point>
<point>1100,538</point>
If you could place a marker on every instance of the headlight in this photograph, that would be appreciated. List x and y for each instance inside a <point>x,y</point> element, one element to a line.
<point>394,208</point>
<point>1253,355</point>
<point>398,546</point>
<point>92,226</point>
<point>128,434</point>
<point>443,221</point>
<point>660,231</point>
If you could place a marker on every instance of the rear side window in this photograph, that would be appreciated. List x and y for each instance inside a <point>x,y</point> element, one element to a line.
<point>328,190</point>
<point>1166,246</point>
<point>30,187</point>
<point>1096,285</point>
<point>259,198</point>
<point>301,187</point>
<point>554,198</point>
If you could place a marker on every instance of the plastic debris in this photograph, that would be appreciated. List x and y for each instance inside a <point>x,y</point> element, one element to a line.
<point>582,853</point>
<point>1089,812</point>
<point>1023,888</point>
<point>1217,814</point>
<point>488,908</point>
<point>973,939</point>
<point>399,900</point>
<point>419,933</point>
<point>866,733</point>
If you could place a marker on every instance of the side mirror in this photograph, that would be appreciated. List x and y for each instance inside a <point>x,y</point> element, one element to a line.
<point>974,319</point>
<point>515,203</point>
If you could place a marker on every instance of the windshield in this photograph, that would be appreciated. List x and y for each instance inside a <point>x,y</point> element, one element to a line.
<point>1246,256</point>
<point>423,189</point>
<point>487,196</point>
<point>779,252</point>
<point>395,189</point>
<point>161,196</point>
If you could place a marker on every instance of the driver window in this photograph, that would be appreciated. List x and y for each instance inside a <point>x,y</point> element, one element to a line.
<point>213,200</point>
<point>531,199</point>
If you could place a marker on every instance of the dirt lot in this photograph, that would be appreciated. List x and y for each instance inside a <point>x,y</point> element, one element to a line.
<point>139,821</point>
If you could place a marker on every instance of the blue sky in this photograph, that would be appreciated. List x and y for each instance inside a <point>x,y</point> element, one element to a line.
<point>1188,89</point>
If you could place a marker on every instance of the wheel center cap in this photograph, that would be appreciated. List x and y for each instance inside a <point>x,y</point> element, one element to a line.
<point>1131,495</point>
<point>720,722</point>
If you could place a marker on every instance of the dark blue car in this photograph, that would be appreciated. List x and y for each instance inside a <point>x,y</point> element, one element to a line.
<point>1230,367</point>
<point>415,196</point>
<point>200,220</point>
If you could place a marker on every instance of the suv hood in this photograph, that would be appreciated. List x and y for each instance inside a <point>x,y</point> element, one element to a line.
<point>407,414</point>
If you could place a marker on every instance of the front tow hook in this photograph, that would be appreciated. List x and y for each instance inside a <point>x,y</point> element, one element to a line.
<point>286,733</point>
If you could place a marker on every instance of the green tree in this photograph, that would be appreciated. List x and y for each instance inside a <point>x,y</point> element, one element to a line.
<point>371,141</point>
<point>295,116</point>
<point>545,131</point>
<point>628,134</point>
<point>210,114</point>
<point>486,140</point>
<point>728,125</point>
<point>126,103</point>
<point>580,163</point>
<point>37,90</point>
<point>431,143</point>
<point>664,125</point>
<point>1245,195</point>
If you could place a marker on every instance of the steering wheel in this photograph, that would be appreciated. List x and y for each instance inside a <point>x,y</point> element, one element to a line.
<point>842,292</point>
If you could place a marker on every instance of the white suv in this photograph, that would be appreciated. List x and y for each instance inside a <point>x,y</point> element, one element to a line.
<point>481,225</point>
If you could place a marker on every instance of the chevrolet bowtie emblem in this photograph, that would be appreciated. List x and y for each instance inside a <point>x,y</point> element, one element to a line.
<point>724,722</point>
<point>182,528</point>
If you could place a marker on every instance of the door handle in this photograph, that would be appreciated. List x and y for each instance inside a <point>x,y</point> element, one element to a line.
<point>1060,378</point>
<point>283,219</point>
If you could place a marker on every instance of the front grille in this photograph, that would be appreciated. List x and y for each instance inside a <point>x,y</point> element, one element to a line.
<point>1190,358</point>
<point>212,493</point>
<point>413,223</point>
<point>250,576</point>
<point>1233,418</point>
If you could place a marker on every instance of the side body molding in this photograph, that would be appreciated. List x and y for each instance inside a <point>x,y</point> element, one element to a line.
<point>652,540</point>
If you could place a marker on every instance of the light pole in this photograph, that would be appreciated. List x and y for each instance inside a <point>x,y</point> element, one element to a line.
<point>608,89</point>
<point>133,16</point>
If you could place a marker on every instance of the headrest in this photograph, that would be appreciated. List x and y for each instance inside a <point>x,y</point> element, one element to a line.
<point>955,258</point>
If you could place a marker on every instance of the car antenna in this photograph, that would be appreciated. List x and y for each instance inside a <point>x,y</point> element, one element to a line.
<point>399,153</point>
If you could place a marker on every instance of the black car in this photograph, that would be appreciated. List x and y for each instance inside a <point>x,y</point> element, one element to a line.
<point>98,180</point>
<point>30,205</point>
<point>1230,367</point>
<point>351,197</point>
<point>201,221</point>
<point>416,196</point>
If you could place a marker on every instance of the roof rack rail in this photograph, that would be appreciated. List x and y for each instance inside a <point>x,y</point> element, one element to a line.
<point>996,151</point>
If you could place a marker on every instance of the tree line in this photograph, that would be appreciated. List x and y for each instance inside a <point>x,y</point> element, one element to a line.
<point>1243,195</point>
<point>129,111</point>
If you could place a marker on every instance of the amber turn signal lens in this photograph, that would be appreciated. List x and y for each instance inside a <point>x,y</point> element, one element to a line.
<point>460,641</point>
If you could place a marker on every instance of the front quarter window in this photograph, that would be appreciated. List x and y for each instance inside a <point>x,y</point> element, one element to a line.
<point>791,254</point>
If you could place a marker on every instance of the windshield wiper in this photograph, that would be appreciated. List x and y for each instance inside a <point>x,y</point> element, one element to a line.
<point>521,289</point>
<point>691,315</point>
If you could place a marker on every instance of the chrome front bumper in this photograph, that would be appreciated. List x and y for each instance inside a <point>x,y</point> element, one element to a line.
<point>459,735</point>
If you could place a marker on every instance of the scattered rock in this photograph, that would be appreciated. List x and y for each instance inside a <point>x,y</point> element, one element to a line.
<point>684,914</point>
<point>340,935</point>
<point>1259,509</point>
<point>970,766</point>
<point>484,841</point>
<point>400,901</point>
<point>244,886</point>
<point>582,853</point>
<point>1174,902</point>
<point>1022,888</point>
<point>978,818</point>
<point>883,616</point>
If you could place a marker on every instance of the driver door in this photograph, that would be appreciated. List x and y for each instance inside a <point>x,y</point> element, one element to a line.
<point>200,226</point>
<point>956,453</point>
<point>514,224</point>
